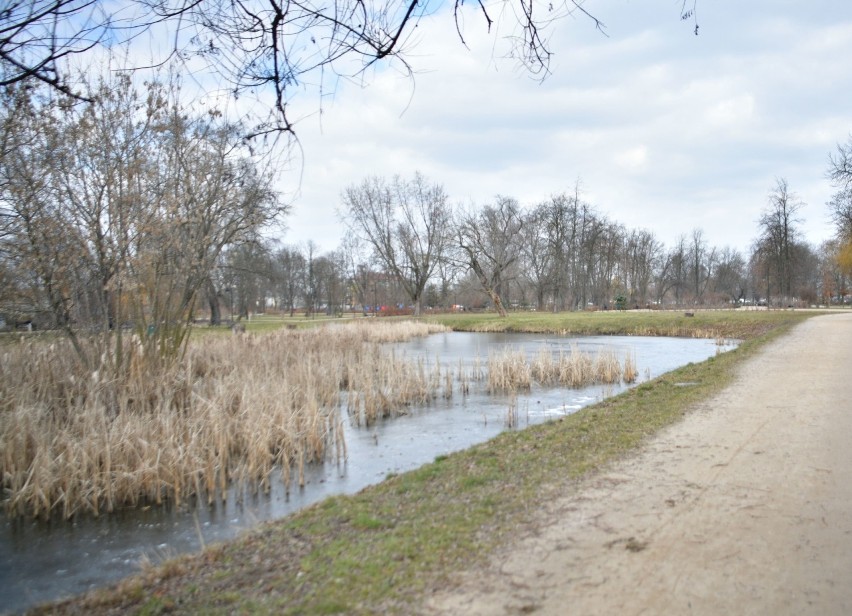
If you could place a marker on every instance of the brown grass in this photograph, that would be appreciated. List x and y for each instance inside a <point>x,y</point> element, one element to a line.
<point>234,409</point>
<point>510,370</point>
<point>630,372</point>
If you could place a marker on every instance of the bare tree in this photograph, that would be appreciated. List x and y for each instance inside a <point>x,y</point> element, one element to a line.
<point>209,193</point>
<point>563,229</point>
<point>702,259</point>
<point>489,241</point>
<point>778,236</point>
<point>312,283</point>
<point>672,275</point>
<point>407,224</point>
<point>330,273</point>
<point>729,277</point>
<point>120,208</point>
<point>641,254</point>
<point>289,269</point>
<point>248,269</point>
<point>276,47</point>
<point>36,36</point>
<point>806,273</point>
<point>840,206</point>
<point>357,268</point>
<point>840,165</point>
<point>840,209</point>
<point>567,225</point>
<point>39,242</point>
<point>537,258</point>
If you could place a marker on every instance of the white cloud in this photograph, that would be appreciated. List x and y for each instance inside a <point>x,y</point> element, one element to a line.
<point>667,131</point>
<point>632,160</point>
<point>731,112</point>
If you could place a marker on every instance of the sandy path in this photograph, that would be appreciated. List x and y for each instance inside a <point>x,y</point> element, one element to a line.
<point>745,507</point>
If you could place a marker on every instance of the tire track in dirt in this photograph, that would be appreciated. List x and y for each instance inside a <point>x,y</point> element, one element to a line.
<point>743,507</point>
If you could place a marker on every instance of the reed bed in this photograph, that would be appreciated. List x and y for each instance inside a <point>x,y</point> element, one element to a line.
<point>384,386</point>
<point>511,370</point>
<point>508,371</point>
<point>232,413</point>
<point>235,409</point>
<point>630,373</point>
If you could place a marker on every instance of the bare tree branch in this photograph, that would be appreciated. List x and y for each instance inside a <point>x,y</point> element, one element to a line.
<point>257,46</point>
<point>407,225</point>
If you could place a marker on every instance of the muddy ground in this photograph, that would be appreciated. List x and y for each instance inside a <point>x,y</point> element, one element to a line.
<point>744,507</point>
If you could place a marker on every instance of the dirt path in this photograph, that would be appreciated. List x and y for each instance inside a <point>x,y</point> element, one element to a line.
<point>745,507</point>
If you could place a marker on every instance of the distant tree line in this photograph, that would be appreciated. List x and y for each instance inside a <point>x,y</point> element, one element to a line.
<point>564,254</point>
<point>408,249</point>
<point>132,213</point>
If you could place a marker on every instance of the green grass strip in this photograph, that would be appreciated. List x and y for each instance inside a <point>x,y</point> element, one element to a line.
<point>741,324</point>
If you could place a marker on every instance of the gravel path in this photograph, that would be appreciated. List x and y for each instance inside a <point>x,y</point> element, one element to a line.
<point>744,507</point>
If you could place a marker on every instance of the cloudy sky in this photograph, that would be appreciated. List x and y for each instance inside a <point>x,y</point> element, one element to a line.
<point>663,129</point>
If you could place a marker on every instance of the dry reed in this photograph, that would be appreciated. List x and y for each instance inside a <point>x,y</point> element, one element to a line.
<point>607,367</point>
<point>630,372</point>
<point>510,370</point>
<point>512,418</point>
<point>234,409</point>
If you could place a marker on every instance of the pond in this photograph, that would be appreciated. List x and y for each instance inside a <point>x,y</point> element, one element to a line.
<point>42,561</point>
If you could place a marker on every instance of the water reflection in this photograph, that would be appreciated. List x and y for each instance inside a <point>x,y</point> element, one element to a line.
<point>44,561</point>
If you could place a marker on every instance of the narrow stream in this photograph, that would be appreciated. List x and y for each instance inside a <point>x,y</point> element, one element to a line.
<point>42,561</point>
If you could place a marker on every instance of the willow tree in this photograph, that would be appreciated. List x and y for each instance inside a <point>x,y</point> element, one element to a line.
<point>406,223</point>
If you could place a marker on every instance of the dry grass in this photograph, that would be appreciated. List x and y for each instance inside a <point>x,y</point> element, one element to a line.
<point>383,386</point>
<point>630,371</point>
<point>234,409</point>
<point>510,370</point>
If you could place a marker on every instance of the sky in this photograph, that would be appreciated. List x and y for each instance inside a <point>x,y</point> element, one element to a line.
<point>664,130</point>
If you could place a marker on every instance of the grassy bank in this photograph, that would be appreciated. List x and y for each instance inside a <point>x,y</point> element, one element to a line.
<point>703,324</point>
<point>741,324</point>
<point>382,549</point>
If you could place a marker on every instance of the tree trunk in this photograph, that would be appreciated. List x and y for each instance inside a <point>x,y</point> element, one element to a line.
<point>498,303</point>
<point>213,303</point>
